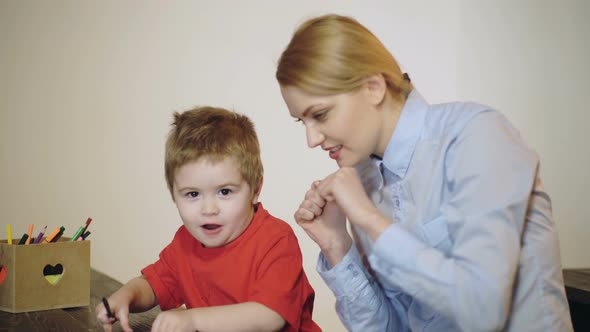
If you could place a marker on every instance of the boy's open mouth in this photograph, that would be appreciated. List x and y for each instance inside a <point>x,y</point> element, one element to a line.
<point>211,226</point>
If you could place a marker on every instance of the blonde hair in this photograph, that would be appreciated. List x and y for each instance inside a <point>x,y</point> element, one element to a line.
<point>214,133</point>
<point>333,54</point>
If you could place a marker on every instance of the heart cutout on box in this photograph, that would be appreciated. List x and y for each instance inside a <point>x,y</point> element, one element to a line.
<point>53,274</point>
<point>2,274</point>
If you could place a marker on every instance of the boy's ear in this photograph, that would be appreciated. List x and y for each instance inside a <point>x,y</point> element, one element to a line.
<point>376,88</point>
<point>257,192</point>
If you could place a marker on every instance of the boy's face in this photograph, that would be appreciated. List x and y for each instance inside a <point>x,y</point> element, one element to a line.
<point>213,200</point>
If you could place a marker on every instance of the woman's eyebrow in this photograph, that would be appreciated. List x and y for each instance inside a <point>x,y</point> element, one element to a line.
<point>309,109</point>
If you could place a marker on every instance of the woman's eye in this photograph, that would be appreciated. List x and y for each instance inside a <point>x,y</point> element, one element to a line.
<point>319,115</point>
<point>225,191</point>
<point>193,194</point>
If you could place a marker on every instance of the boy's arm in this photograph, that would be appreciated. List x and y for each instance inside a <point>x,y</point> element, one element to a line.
<point>135,296</point>
<point>247,316</point>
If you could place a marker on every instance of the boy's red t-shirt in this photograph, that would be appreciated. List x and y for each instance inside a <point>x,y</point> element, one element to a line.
<point>263,265</point>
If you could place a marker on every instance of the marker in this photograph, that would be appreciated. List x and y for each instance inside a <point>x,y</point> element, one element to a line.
<point>9,231</point>
<point>23,239</point>
<point>78,233</point>
<point>40,236</point>
<point>29,234</point>
<point>85,235</point>
<point>53,234</point>
<point>61,232</point>
<point>106,306</point>
<point>88,221</point>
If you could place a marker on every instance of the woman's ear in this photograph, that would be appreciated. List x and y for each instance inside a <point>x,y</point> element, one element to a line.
<point>376,88</point>
<point>256,192</point>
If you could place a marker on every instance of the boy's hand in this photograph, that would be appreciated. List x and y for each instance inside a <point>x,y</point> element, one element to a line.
<point>121,311</point>
<point>325,224</point>
<point>174,320</point>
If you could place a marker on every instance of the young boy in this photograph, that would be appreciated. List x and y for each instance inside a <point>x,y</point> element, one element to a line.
<point>233,265</point>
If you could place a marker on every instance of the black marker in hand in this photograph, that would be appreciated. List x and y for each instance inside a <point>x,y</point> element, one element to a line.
<point>106,305</point>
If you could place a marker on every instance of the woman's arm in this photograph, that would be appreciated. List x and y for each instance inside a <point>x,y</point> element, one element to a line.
<point>360,302</point>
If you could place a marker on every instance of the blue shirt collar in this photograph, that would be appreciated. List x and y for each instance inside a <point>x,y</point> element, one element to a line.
<point>406,134</point>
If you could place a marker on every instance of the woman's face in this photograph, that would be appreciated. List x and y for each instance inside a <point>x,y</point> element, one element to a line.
<point>346,125</point>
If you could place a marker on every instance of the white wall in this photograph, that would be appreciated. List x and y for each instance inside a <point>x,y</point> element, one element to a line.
<point>87,90</point>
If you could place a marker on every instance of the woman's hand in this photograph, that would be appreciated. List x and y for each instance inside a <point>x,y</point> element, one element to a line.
<point>344,188</point>
<point>325,223</point>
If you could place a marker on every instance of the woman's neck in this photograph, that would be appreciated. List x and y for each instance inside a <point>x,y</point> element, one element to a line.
<point>392,109</point>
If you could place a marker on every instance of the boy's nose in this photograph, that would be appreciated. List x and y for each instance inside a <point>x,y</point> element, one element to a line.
<point>209,206</point>
<point>314,136</point>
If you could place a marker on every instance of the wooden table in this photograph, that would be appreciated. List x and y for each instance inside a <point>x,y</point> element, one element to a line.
<point>577,288</point>
<point>75,319</point>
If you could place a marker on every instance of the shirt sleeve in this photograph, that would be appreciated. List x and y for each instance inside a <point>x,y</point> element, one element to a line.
<point>281,284</point>
<point>490,174</point>
<point>361,303</point>
<point>161,276</point>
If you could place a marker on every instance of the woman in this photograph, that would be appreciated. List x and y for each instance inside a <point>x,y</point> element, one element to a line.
<point>452,229</point>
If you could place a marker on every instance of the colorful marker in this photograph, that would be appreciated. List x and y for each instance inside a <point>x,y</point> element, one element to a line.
<point>61,232</point>
<point>40,236</point>
<point>9,231</point>
<point>29,234</point>
<point>88,221</point>
<point>53,234</point>
<point>85,235</point>
<point>23,239</point>
<point>78,233</point>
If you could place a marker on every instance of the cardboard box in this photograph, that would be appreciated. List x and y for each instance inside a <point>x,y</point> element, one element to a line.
<point>44,276</point>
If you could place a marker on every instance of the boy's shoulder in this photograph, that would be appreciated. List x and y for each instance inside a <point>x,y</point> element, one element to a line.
<point>272,234</point>
<point>271,224</point>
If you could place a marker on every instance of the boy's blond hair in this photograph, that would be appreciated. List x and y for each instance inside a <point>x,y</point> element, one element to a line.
<point>213,133</point>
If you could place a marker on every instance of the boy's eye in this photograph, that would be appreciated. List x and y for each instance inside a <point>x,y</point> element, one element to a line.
<point>225,191</point>
<point>193,194</point>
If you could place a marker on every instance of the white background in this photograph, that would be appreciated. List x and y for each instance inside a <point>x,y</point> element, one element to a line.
<point>88,88</point>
